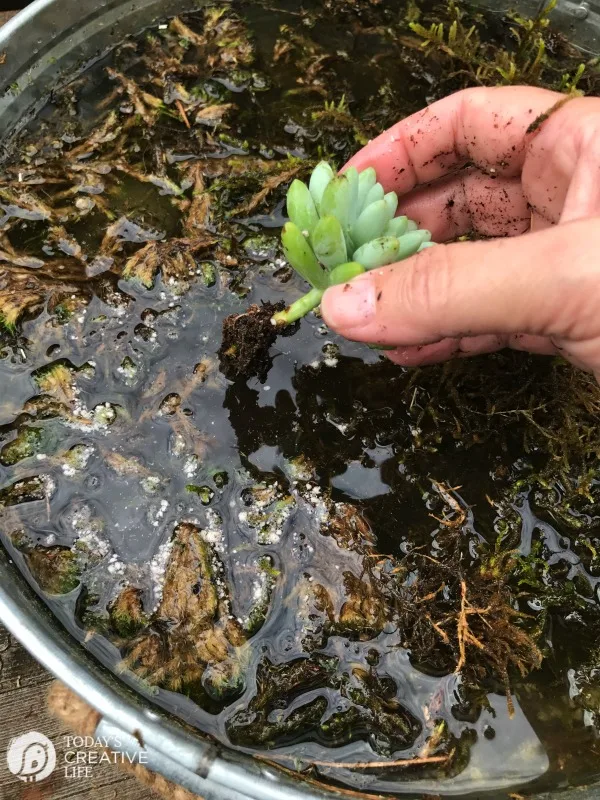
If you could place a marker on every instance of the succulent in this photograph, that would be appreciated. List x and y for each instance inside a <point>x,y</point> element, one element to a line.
<point>341,226</point>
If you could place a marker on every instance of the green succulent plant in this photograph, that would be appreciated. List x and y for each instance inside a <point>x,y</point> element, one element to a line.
<point>340,226</point>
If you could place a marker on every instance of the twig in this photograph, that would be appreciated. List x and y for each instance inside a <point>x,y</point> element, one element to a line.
<point>441,633</point>
<point>462,627</point>
<point>430,596</point>
<point>453,503</point>
<point>182,113</point>
<point>403,762</point>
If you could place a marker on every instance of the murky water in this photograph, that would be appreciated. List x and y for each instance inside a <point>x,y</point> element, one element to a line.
<point>251,554</point>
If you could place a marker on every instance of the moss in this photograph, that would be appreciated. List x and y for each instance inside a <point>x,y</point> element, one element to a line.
<point>335,119</point>
<point>28,442</point>
<point>220,478</point>
<point>365,612</point>
<point>76,458</point>
<point>373,710</point>
<point>226,680</point>
<point>58,380</point>
<point>126,613</point>
<point>205,493</point>
<point>28,490</point>
<point>521,50</point>
<point>129,370</point>
<point>192,629</point>
<point>261,248</point>
<point>19,297</point>
<point>209,273</point>
<point>56,570</point>
<point>265,583</point>
<point>174,260</point>
<point>66,308</point>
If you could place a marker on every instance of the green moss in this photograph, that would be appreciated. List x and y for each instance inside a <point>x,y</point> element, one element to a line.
<point>205,493</point>
<point>209,273</point>
<point>129,370</point>
<point>76,458</point>
<point>226,680</point>
<point>57,570</point>
<point>126,614</point>
<point>220,478</point>
<point>28,490</point>
<point>29,442</point>
<point>7,325</point>
<point>520,50</point>
<point>265,583</point>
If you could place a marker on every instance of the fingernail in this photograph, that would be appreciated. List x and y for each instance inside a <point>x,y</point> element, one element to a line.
<point>350,305</point>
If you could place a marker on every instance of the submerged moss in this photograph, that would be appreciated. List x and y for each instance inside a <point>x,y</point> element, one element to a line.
<point>205,493</point>
<point>28,442</point>
<point>262,594</point>
<point>57,570</point>
<point>26,491</point>
<point>192,629</point>
<point>126,613</point>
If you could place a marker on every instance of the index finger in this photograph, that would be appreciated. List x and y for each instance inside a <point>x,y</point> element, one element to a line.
<point>487,127</point>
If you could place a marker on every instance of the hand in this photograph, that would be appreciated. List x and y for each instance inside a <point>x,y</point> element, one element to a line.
<point>483,160</point>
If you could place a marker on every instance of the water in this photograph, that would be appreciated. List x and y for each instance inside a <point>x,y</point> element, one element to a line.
<point>267,559</point>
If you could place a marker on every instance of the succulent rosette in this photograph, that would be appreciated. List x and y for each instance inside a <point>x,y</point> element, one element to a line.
<point>339,227</point>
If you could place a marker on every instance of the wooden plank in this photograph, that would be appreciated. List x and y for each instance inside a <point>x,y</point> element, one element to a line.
<point>23,687</point>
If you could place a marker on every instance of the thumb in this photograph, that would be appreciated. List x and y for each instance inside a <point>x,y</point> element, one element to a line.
<point>545,283</point>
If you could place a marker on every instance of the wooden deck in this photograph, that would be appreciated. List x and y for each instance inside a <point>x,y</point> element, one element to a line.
<point>23,687</point>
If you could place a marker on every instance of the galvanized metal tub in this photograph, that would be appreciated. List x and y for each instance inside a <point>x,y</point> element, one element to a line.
<point>45,45</point>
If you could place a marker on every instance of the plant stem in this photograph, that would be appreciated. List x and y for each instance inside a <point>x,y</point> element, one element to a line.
<point>299,309</point>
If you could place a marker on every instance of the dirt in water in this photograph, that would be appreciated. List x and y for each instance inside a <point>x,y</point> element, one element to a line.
<point>382,579</point>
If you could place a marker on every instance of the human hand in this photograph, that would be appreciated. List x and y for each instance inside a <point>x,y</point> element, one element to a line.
<point>499,170</point>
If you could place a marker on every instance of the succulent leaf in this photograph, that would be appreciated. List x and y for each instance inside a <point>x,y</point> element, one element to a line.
<point>352,177</point>
<point>371,224</point>
<point>329,242</point>
<point>319,180</point>
<point>345,272</point>
<point>397,226</point>
<point>301,207</point>
<point>374,194</point>
<point>300,255</point>
<point>366,181</point>
<point>378,252</point>
<point>336,200</point>
<point>391,204</point>
<point>411,242</point>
